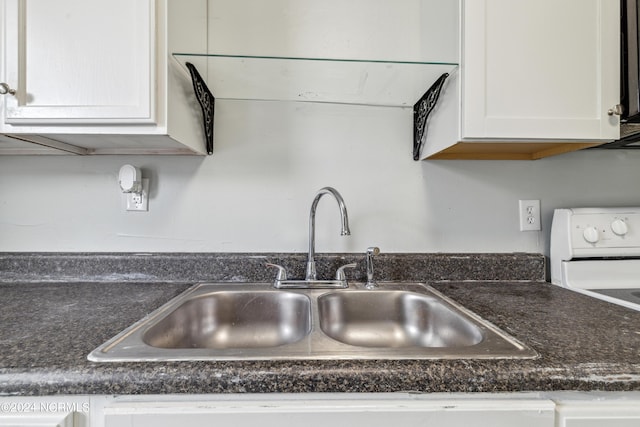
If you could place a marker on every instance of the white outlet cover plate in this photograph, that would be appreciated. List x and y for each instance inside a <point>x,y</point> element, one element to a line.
<point>141,204</point>
<point>529,215</point>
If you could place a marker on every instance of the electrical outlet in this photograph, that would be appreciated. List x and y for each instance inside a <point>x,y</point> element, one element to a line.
<point>529,215</point>
<point>139,201</point>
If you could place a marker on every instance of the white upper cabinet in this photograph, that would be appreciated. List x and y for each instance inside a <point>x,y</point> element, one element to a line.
<point>79,62</point>
<point>541,69</point>
<point>537,77</point>
<point>95,74</point>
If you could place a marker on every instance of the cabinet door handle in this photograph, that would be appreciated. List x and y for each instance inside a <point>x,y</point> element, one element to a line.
<point>6,89</point>
<point>617,110</point>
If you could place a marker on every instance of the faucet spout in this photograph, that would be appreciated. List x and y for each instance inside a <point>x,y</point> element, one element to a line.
<point>311,264</point>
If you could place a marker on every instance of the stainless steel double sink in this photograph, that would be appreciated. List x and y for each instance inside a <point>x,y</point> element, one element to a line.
<point>231,321</point>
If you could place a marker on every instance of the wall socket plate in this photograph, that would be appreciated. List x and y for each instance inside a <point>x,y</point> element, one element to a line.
<point>139,201</point>
<point>529,215</point>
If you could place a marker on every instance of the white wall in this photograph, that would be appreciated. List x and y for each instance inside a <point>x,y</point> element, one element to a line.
<point>254,193</point>
<point>270,158</point>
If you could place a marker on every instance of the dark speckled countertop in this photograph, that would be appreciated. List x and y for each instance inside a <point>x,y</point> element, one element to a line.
<point>49,326</point>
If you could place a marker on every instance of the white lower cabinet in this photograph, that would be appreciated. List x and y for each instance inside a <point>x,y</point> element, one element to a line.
<point>333,410</point>
<point>558,409</point>
<point>618,410</point>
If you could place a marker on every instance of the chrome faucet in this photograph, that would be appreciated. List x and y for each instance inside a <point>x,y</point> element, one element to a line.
<point>311,263</point>
<point>311,281</point>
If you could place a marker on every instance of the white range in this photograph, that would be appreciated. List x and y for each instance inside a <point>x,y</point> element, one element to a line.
<point>596,251</point>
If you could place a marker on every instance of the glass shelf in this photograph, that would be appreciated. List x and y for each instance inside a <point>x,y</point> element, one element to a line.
<point>324,80</point>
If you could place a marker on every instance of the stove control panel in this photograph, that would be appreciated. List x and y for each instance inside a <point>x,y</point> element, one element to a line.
<point>605,230</point>
<point>595,232</point>
<point>596,251</point>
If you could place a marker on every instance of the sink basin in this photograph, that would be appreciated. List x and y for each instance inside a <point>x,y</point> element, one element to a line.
<point>394,319</point>
<point>234,319</point>
<point>254,321</point>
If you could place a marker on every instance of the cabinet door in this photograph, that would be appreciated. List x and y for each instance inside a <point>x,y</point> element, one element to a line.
<point>621,413</point>
<point>540,69</point>
<point>344,413</point>
<point>78,62</point>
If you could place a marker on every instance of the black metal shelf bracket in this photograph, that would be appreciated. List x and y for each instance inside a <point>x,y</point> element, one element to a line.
<point>421,111</point>
<point>207,103</point>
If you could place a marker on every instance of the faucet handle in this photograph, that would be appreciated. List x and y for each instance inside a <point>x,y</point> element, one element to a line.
<point>282,273</point>
<point>340,272</point>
